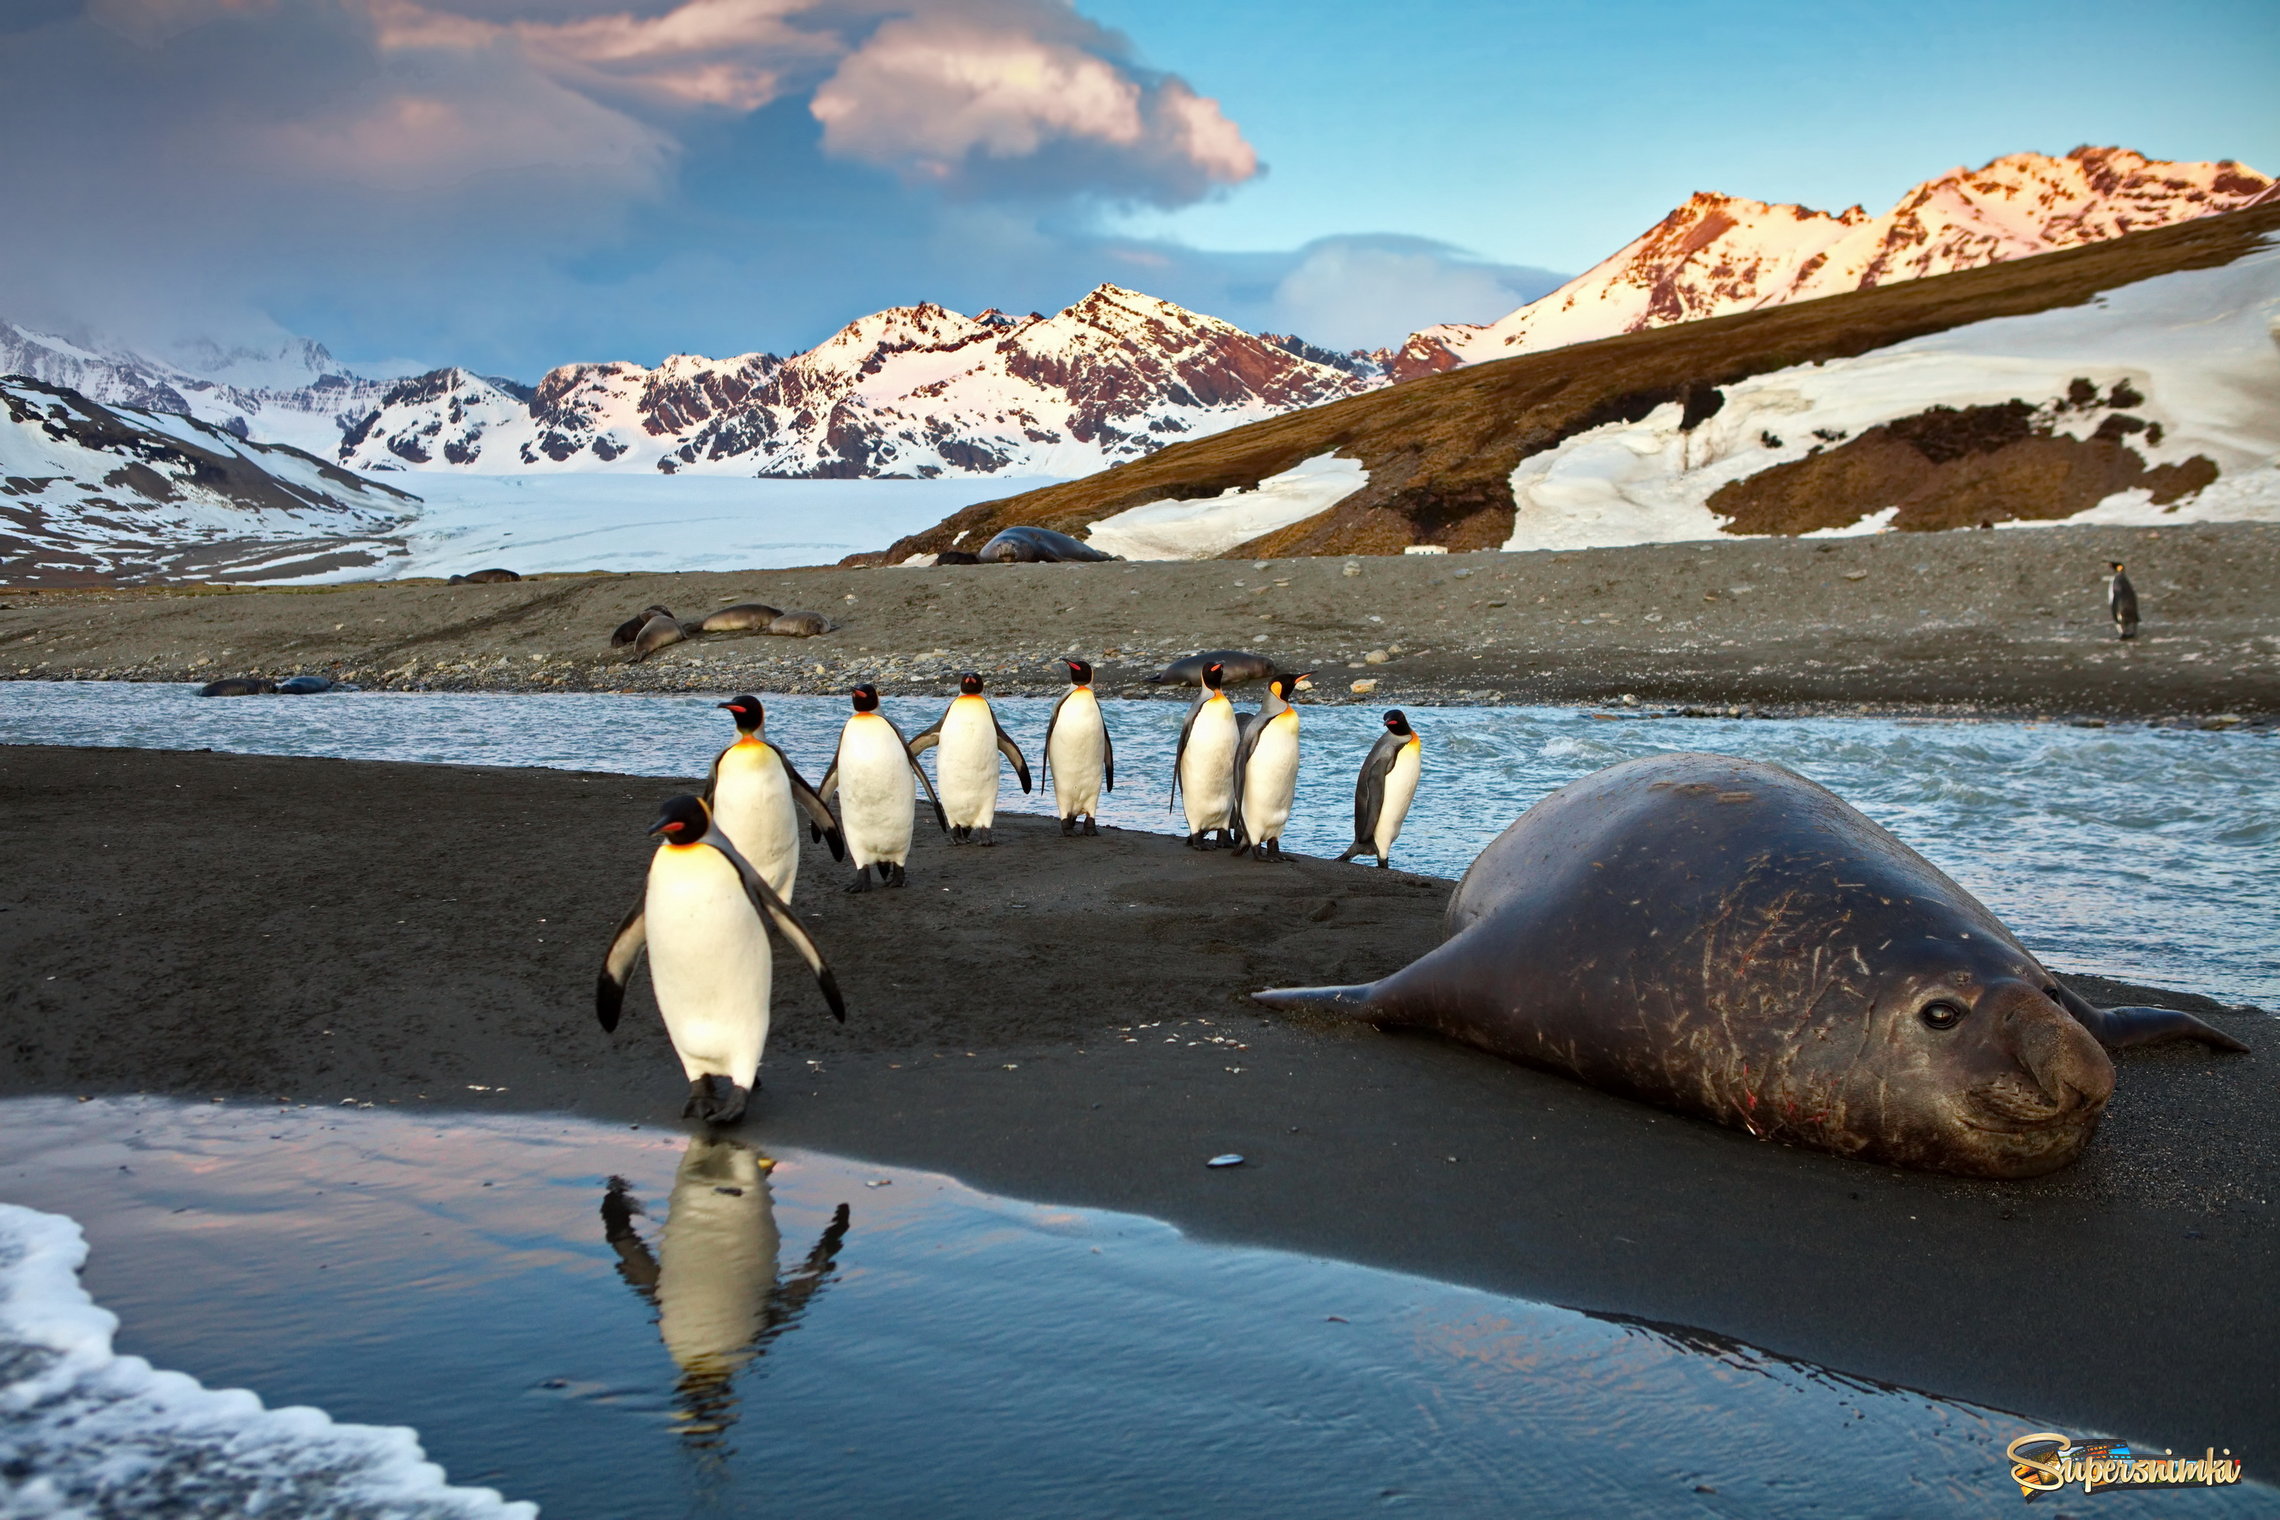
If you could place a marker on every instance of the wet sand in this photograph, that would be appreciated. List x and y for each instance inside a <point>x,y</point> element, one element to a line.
<point>1064,1020</point>
<point>2009,623</point>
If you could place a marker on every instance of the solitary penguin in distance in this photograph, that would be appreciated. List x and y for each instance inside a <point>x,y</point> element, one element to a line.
<point>757,796</point>
<point>1079,758</point>
<point>1203,766</point>
<point>971,739</point>
<point>1385,788</point>
<point>872,772</point>
<point>629,630</point>
<point>1266,771</point>
<point>2121,601</point>
<point>704,918</point>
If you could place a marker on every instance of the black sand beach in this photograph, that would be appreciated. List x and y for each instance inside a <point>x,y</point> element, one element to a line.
<point>1065,1020</point>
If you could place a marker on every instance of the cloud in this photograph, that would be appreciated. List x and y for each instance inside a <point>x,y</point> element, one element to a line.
<point>1352,292</point>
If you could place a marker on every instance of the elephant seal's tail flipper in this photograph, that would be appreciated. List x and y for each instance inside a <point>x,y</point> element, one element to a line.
<point>1352,1002</point>
<point>2120,1028</point>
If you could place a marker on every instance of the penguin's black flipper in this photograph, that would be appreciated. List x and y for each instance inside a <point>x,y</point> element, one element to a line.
<point>924,740</point>
<point>911,747</point>
<point>617,965</point>
<point>1045,757</point>
<point>773,910</point>
<point>1180,753</point>
<point>1108,758</point>
<point>2120,1028</point>
<point>821,825</point>
<point>1011,751</point>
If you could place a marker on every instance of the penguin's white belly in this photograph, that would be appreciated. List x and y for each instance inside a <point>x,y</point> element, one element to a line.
<point>1400,791</point>
<point>709,962</point>
<point>1270,778</point>
<point>752,803</point>
<point>716,1259</point>
<point>966,764</point>
<point>1207,770</point>
<point>876,804</point>
<point>1077,754</point>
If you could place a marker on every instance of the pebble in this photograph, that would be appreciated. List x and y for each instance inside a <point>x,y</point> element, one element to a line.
<point>1230,1159</point>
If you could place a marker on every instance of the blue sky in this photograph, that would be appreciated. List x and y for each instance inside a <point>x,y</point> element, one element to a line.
<point>512,184</point>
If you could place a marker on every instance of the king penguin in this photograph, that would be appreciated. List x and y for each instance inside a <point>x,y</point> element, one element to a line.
<point>2121,601</point>
<point>872,774</point>
<point>1203,767</point>
<point>757,796</point>
<point>704,919</point>
<point>1078,756</point>
<point>1266,771</point>
<point>1383,791</point>
<point>971,739</point>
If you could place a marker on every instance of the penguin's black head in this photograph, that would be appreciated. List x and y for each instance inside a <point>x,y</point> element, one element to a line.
<point>1080,671</point>
<point>1213,674</point>
<point>969,685</point>
<point>682,820</point>
<point>1397,722</point>
<point>866,697</point>
<point>2114,565</point>
<point>748,713</point>
<point>1286,687</point>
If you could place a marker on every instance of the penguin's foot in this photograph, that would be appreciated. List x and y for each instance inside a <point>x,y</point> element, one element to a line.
<point>1092,826</point>
<point>982,838</point>
<point>862,881</point>
<point>1383,863</point>
<point>959,833</point>
<point>895,873</point>
<point>1068,827</point>
<point>714,1099</point>
<point>1195,841</point>
<point>1274,849</point>
<point>1227,840</point>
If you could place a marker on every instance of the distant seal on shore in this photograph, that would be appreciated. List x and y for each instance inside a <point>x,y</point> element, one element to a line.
<point>743,617</point>
<point>800,625</point>
<point>238,686</point>
<point>1039,546</point>
<point>304,686</point>
<point>1235,667</point>
<point>629,630</point>
<point>957,557</point>
<point>655,634</point>
<point>484,578</point>
<point>1724,938</point>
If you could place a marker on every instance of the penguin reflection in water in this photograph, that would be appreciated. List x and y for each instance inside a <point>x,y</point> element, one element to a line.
<point>704,919</point>
<point>757,796</point>
<point>872,774</point>
<point>971,739</point>
<point>1203,767</point>
<point>1385,788</point>
<point>1078,756</point>
<point>1266,771</point>
<point>713,1274</point>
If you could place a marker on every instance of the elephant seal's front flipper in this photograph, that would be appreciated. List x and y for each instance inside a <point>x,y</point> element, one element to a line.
<point>1348,1000</point>
<point>2120,1028</point>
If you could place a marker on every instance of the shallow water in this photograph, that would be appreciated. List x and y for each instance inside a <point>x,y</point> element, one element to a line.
<point>852,1340</point>
<point>2141,853</point>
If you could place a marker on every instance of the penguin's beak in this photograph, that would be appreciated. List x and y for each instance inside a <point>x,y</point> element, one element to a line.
<point>1303,682</point>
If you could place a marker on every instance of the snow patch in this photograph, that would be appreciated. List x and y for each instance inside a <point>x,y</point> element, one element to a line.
<point>1204,528</point>
<point>85,1431</point>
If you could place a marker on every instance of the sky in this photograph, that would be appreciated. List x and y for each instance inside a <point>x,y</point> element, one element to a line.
<point>513,184</point>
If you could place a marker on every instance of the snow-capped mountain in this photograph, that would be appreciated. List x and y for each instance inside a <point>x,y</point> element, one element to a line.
<point>914,391</point>
<point>89,491</point>
<point>1719,254</point>
<point>292,393</point>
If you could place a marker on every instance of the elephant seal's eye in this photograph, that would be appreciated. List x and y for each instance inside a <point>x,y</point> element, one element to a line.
<point>1942,1014</point>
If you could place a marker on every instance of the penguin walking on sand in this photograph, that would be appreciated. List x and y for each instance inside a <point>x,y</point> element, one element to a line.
<point>1385,788</point>
<point>872,774</point>
<point>757,796</point>
<point>1079,758</point>
<point>1203,767</point>
<point>1266,771</point>
<point>704,919</point>
<point>2121,601</point>
<point>967,769</point>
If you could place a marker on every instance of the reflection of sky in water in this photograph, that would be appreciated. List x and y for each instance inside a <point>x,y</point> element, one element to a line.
<point>954,1353</point>
<point>2148,854</point>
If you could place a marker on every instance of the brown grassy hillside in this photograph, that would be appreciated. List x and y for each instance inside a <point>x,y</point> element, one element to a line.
<point>1440,451</point>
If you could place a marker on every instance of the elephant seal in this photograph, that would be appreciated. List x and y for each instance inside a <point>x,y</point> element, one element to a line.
<point>799,625</point>
<point>1235,667</point>
<point>1724,938</point>
<point>655,635</point>
<point>744,617</point>
<point>238,686</point>
<point>957,557</point>
<point>629,630</point>
<point>1039,546</point>
<point>484,578</point>
<point>304,686</point>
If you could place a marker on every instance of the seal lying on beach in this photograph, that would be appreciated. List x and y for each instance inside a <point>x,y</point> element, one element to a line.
<point>1235,667</point>
<point>655,634</point>
<point>484,578</point>
<point>799,625</point>
<point>1039,546</point>
<point>238,686</point>
<point>1724,938</point>
<point>753,617</point>
<point>629,630</point>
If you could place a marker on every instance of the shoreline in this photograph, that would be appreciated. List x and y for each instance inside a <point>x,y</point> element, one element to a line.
<point>1964,624</point>
<point>1066,1020</point>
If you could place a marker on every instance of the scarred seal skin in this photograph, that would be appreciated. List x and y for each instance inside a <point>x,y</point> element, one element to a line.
<point>1724,938</point>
